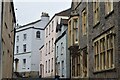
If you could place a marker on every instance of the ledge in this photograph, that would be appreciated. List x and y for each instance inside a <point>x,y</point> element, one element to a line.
<point>108,14</point>
<point>106,70</point>
<point>96,24</point>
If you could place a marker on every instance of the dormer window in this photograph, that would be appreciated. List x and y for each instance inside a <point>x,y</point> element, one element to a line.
<point>38,34</point>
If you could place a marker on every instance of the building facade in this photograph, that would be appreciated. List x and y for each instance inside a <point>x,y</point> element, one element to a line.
<point>29,38</point>
<point>104,39</point>
<point>7,23</point>
<point>61,50</point>
<point>93,39</point>
<point>49,46</point>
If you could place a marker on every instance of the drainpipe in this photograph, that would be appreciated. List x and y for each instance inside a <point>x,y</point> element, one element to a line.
<point>1,21</point>
<point>13,48</point>
<point>55,59</point>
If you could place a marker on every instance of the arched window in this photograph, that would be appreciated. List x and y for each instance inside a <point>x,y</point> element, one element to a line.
<point>38,34</point>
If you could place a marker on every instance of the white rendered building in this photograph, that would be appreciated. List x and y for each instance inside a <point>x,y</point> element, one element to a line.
<point>47,68</point>
<point>29,38</point>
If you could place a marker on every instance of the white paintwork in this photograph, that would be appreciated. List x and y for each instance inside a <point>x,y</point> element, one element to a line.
<point>52,53</point>
<point>33,44</point>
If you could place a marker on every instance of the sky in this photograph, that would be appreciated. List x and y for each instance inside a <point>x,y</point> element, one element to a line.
<point>28,11</point>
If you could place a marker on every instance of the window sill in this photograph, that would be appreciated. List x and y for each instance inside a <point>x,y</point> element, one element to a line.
<point>38,38</point>
<point>24,39</point>
<point>96,24</point>
<point>52,51</point>
<point>85,34</point>
<point>108,14</point>
<point>106,70</point>
<point>52,70</point>
<point>62,54</point>
<point>23,68</point>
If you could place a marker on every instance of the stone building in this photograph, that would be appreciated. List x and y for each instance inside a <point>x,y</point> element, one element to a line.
<point>77,40</point>
<point>93,39</point>
<point>103,39</point>
<point>7,23</point>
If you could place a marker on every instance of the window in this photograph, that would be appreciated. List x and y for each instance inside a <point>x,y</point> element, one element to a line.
<point>52,65</point>
<point>6,25</point>
<point>46,67</point>
<point>24,47</point>
<point>85,62</point>
<point>9,36</point>
<point>96,11</point>
<point>73,67</point>
<point>38,34</point>
<point>84,22</point>
<point>24,36</point>
<point>73,30</point>
<point>46,32</point>
<point>24,63</point>
<point>62,68</point>
<point>17,49</point>
<point>49,29</point>
<point>49,66</point>
<point>52,26</point>
<point>57,51</point>
<point>78,65</point>
<point>104,51</point>
<point>52,44</point>
<point>49,47</point>
<point>17,38</point>
<point>46,48</point>
<point>62,48</point>
<point>108,6</point>
<point>58,68</point>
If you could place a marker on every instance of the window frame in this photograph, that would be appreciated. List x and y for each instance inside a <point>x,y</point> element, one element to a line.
<point>24,36</point>
<point>38,34</point>
<point>84,21</point>
<point>108,59</point>
<point>24,48</point>
<point>96,12</point>
<point>17,38</point>
<point>108,6</point>
<point>17,49</point>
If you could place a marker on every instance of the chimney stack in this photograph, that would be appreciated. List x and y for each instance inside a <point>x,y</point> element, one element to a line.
<point>44,16</point>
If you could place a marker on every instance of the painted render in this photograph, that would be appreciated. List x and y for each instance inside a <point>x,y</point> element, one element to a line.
<point>33,44</point>
<point>49,54</point>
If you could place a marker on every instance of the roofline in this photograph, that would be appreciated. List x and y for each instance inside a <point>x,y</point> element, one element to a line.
<point>12,4</point>
<point>30,23</point>
<point>29,28</point>
<point>41,47</point>
<point>56,15</point>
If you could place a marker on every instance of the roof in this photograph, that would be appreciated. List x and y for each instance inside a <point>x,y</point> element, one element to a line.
<point>62,13</point>
<point>30,23</point>
<point>64,21</point>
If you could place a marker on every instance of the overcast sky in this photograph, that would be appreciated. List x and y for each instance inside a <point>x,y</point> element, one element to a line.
<point>30,10</point>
